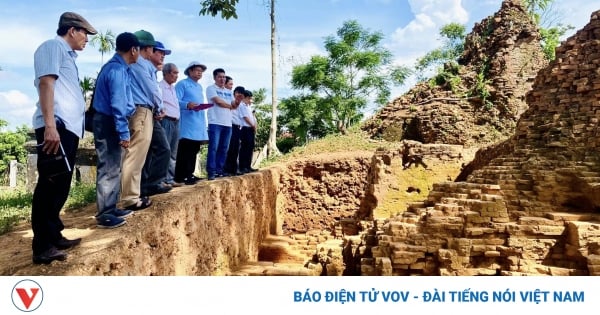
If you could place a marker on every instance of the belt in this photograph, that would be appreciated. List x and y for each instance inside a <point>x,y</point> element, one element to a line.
<point>150,107</point>
<point>235,126</point>
<point>171,118</point>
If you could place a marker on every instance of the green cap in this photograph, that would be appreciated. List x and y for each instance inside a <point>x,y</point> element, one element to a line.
<point>145,38</point>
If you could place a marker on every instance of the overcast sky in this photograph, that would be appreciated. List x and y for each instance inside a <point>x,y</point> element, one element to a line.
<point>242,46</point>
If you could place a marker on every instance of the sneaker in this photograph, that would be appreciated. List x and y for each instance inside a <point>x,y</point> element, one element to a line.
<point>121,213</point>
<point>109,221</point>
<point>211,177</point>
<point>175,184</point>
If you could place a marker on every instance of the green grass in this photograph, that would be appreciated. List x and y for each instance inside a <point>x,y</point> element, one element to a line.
<point>15,205</point>
<point>354,140</point>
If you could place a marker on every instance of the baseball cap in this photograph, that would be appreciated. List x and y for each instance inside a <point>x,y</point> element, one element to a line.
<point>160,46</point>
<point>72,19</point>
<point>194,64</point>
<point>127,40</point>
<point>146,38</point>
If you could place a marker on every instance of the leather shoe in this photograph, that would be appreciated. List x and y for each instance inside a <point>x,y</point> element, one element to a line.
<point>161,189</point>
<point>65,243</point>
<point>50,255</point>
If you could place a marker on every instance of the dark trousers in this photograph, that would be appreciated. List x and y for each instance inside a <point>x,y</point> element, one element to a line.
<point>157,160</point>
<point>231,164</point>
<point>186,158</point>
<point>51,193</point>
<point>246,147</point>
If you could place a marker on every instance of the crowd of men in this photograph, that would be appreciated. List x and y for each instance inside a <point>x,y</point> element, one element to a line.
<point>147,133</point>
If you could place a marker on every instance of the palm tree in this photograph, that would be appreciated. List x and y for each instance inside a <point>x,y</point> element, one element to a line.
<point>105,43</point>
<point>87,87</point>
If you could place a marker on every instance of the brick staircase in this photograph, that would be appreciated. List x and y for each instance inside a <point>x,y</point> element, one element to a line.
<point>464,229</point>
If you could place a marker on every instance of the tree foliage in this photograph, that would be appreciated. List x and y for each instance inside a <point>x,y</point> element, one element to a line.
<point>87,86</point>
<point>105,42</point>
<point>547,17</point>
<point>12,145</point>
<point>453,35</point>
<point>355,69</point>
<point>227,8</point>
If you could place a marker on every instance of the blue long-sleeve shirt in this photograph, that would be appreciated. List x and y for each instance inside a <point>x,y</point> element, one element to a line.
<point>112,96</point>
<point>145,85</point>
<point>192,124</point>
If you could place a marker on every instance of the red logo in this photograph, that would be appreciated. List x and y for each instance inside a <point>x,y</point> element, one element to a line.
<point>27,295</point>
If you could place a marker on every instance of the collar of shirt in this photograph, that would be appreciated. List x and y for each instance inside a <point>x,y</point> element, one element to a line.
<point>68,48</point>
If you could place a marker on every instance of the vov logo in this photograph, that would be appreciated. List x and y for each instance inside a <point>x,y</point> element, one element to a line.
<point>27,295</point>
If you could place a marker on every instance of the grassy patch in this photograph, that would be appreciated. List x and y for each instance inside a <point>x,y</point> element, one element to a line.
<point>354,140</point>
<point>15,205</point>
<point>81,195</point>
<point>402,189</point>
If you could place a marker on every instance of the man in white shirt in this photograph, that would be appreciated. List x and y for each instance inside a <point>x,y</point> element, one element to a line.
<point>219,124</point>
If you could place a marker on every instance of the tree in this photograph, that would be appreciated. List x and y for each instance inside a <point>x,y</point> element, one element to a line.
<point>227,8</point>
<point>355,69</point>
<point>87,86</point>
<point>547,17</point>
<point>12,145</point>
<point>453,35</point>
<point>306,117</point>
<point>105,43</point>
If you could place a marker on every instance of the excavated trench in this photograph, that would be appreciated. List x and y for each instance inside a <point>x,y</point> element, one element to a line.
<point>349,214</point>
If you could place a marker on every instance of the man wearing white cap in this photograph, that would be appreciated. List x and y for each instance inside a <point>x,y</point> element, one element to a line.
<point>193,127</point>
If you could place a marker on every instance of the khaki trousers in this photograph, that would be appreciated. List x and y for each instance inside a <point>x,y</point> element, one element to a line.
<point>140,129</point>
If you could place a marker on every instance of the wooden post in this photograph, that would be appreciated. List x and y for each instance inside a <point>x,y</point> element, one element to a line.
<point>13,173</point>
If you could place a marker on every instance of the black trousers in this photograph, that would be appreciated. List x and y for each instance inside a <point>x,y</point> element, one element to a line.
<point>231,163</point>
<point>157,160</point>
<point>186,158</point>
<point>246,147</point>
<point>51,193</point>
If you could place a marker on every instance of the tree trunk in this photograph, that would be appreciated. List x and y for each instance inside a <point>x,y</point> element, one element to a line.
<point>272,149</point>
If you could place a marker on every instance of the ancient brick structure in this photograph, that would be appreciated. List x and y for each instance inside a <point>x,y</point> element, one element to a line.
<point>532,211</point>
<point>482,101</point>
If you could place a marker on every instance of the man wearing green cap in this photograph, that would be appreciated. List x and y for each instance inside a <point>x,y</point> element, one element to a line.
<point>147,99</point>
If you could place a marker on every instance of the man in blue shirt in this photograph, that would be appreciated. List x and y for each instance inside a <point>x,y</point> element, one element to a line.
<point>58,123</point>
<point>192,125</point>
<point>154,173</point>
<point>146,97</point>
<point>114,106</point>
